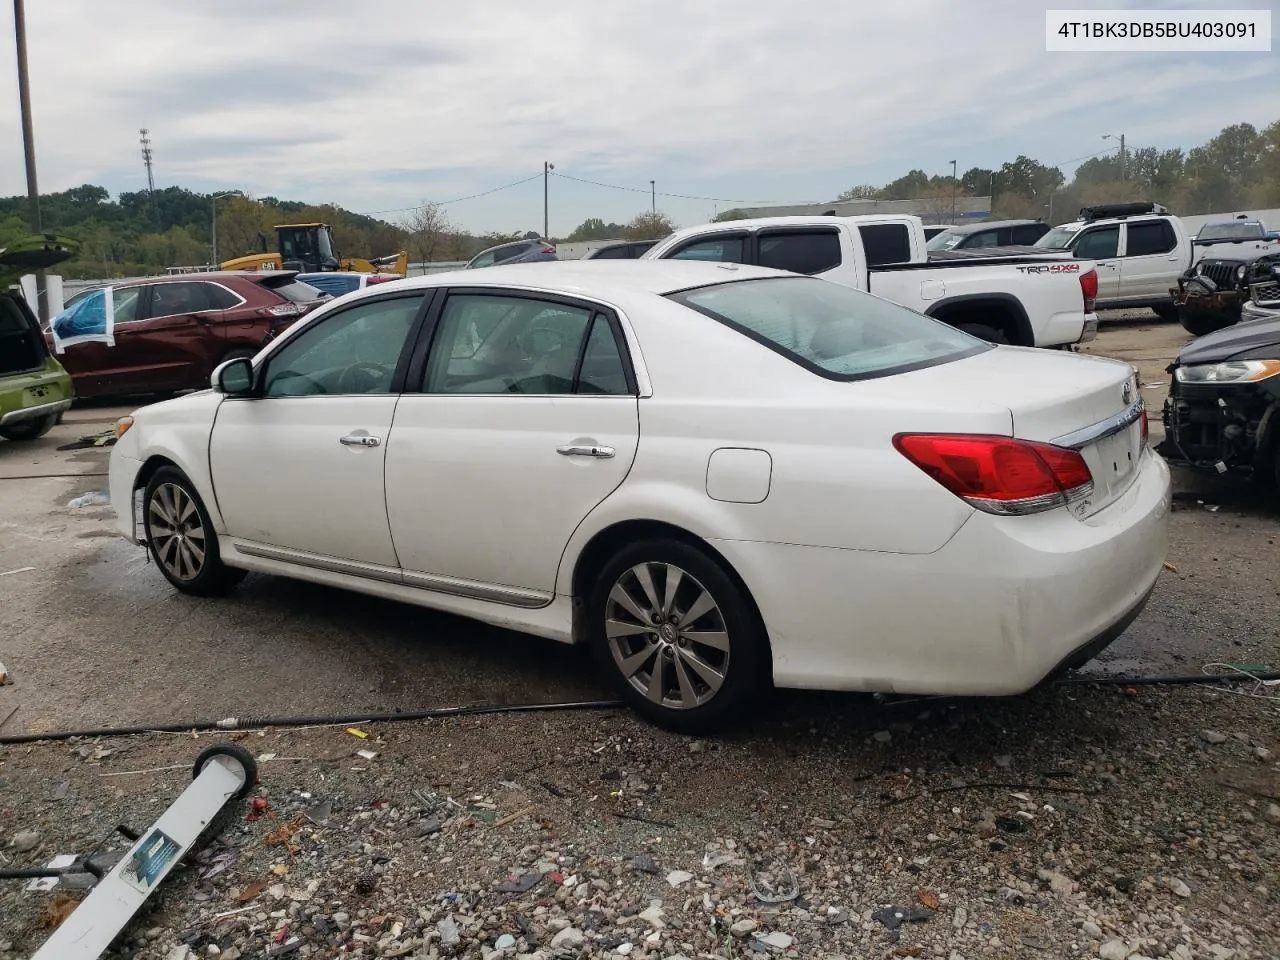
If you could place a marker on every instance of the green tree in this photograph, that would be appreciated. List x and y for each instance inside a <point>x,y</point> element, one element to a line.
<point>649,226</point>
<point>864,191</point>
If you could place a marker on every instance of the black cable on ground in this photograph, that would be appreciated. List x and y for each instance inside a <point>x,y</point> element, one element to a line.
<point>255,723</point>
<point>1242,677</point>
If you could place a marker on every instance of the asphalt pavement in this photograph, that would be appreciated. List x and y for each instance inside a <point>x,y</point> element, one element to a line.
<point>94,636</point>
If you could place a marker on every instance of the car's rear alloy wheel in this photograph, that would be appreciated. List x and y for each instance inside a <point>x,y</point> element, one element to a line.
<point>180,536</point>
<point>682,642</point>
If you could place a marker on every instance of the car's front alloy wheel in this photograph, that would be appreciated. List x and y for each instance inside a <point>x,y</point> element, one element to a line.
<point>181,538</point>
<point>683,644</point>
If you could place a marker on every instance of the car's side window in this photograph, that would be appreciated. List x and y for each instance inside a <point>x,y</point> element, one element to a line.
<point>125,303</point>
<point>1098,244</point>
<point>987,238</point>
<point>715,249</point>
<point>483,260</point>
<point>1028,233</point>
<point>220,298</point>
<point>509,344</point>
<point>602,371</point>
<point>803,251</point>
<point>1153,237</point>
<point>885,243</point>
<point>175,299</point>
<point>354,351</point>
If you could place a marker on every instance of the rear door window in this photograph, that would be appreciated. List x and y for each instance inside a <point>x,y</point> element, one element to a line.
<point>1028,233</point>
<point>885,243</point>
<point>221,298</point>
<point>800,251</point>
<point>179,299</point>
<point>1153,237</point>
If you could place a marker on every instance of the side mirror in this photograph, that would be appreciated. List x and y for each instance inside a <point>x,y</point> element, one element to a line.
<point>234,377</point>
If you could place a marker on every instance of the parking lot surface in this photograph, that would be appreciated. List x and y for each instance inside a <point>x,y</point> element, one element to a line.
<point>1112,815</point>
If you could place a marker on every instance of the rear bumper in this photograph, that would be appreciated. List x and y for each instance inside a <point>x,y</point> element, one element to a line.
<point>35,412</point>
<point>1006,603</point>
<point>1090,331</point>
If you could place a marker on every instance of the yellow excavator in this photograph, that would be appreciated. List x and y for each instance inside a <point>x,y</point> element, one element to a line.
<point>308,248</point>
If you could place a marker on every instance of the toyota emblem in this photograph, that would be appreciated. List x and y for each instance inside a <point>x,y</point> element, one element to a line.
<point>1127,392</point>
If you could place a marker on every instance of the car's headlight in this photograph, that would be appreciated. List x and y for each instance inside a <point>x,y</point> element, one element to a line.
<point>1233,371</point>
<point>1200,269</point>
<point>122,426</point>
<point>1240,273</point>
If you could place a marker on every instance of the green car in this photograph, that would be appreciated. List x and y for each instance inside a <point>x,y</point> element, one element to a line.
<point>34,389</point>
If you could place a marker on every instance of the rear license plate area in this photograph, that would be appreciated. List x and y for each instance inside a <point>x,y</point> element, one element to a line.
<point>34,396</point>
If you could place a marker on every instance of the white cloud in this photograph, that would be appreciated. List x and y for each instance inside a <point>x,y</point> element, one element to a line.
<point>328,102</point>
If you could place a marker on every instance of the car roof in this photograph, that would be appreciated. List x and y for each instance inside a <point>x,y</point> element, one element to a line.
<point>596,278</point>
<point>253,276</point>
<point>989,225</point>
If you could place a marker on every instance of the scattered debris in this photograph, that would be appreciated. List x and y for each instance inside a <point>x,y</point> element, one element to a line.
<point>775,885</point>
<point>927,898</point>
<point>1011,824</point>
<point>357,732</point>
<point>9,573</point>
<point>366,754</point>
<point>24,841</point>
<point>98,498</point>
<point>677,877</point>
<point>1213,737</point>
<point>895,917</point>
<point>5,678</point>
<point>1170,567</point>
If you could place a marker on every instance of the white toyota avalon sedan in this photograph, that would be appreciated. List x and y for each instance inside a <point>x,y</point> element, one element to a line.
<point>719,477</point>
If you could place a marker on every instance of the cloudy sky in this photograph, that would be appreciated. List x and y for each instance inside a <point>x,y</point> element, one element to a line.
<point>381,106</point>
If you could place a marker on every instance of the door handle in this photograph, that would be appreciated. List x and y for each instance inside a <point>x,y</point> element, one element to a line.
<point>362,440</point>
<point>573,450</point>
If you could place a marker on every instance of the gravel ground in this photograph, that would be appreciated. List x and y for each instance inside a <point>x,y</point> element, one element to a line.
<point>1076,821</point>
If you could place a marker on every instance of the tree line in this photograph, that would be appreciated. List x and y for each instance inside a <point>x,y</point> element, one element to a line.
<point>139,232</point>
<point>1239,169</point>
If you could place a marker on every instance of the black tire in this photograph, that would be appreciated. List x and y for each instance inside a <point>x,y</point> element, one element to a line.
<point>29,429</point>
<point>1200,322</point>
<point>984,332</point>
<point>188,556</point>
<point>740,657</point>
<point>1166,311</point>
<point>237,753</point>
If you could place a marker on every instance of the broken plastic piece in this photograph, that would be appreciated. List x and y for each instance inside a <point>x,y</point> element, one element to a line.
<point>357,732</point>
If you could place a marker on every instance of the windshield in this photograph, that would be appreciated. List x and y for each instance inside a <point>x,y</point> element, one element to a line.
<point>1231,231</point>
<point>945,241</point>
<point>835,331</point>
<point>1059,238</point>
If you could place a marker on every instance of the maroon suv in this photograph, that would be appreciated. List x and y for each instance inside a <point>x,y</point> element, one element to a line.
<point>170,332</point>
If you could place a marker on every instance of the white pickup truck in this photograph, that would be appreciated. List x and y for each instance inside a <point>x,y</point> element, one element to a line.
<point>1138,249</point>
<point>1029,300</point>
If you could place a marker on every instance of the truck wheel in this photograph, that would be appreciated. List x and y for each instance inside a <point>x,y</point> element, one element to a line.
<point>1166,312</point>
<point>984,332</point>
<point>1199,322</point>
<point>28,429</point>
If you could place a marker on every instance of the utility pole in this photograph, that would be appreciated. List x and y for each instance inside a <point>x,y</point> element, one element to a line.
<point>29,147</point>
<point>653,199</point>
<point>547,167</point>
<point>953,191</point>
<point>145,140</point>
<point>1122,158</point>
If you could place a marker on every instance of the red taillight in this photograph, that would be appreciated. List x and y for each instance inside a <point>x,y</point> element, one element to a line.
<point>1146,429</point>
<point>999,474</point>
<point>1089,287</point>
<point>548,249</point>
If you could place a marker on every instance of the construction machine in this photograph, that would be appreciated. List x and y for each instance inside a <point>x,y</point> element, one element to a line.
<point>308,248</point>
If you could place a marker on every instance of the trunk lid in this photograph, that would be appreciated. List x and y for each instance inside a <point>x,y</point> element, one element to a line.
<point>1052,397</point>
<point>29,254</point>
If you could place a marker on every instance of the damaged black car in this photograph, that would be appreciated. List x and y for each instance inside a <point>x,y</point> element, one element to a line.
<point>1211,294</point>
<point>1223,409</point>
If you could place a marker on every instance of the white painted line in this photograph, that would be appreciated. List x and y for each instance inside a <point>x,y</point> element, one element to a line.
<point>19,570</point>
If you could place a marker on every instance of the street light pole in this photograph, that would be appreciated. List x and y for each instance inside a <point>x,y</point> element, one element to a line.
<point>546,198</point>
<point>653,199</point>
<point>29,145</point>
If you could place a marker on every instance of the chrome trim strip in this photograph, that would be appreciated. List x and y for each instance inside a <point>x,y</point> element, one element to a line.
<point>511,596</point>
<point>31,413</point>
<point>1102,429</point>
<point>354,568</point>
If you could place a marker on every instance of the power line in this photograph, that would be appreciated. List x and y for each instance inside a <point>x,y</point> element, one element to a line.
<point>445,203</point>
<point>678,196</point>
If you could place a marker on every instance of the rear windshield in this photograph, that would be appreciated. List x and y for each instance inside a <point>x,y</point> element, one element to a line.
<point>1059,238</point>
<point>832,330</point>
<point>297,291</point>
<point>945,241</point>
<point>1231,231</point>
